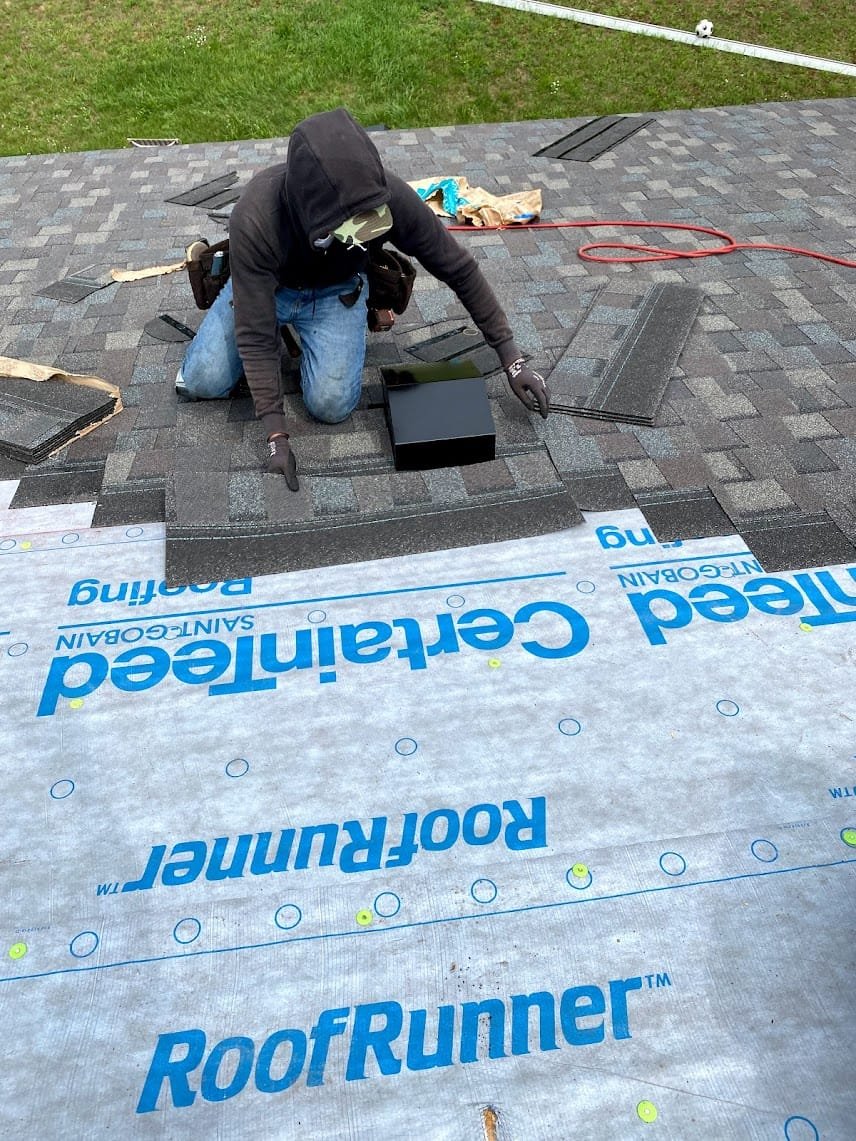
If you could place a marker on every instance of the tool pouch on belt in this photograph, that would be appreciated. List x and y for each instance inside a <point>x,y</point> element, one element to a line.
<point>391,277</point>
<point>202,262</point>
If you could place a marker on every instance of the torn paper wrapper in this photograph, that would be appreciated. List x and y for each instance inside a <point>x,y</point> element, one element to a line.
<point>453,197</point>
<point>147,271</point>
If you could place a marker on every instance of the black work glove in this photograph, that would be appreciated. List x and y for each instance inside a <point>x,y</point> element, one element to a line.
<point>528,386</point>
<point>281,461</point>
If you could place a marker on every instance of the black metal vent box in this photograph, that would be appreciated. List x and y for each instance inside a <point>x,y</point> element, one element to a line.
<point>440,424</point>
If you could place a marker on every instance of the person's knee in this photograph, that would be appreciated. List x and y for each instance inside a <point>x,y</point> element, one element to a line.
<point>205,380</point>
<point>330,407</point>
<point>333,398</point>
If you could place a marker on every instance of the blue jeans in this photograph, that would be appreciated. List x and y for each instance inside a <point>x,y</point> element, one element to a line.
<point>332,341</point>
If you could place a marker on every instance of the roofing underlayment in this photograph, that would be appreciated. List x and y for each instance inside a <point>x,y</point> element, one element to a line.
<point>508,801</point>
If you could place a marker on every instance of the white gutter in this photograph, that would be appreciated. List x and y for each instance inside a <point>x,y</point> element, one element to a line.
<point>620,25</point>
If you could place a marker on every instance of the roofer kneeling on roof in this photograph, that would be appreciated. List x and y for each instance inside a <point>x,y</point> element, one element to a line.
<point>297,251</point>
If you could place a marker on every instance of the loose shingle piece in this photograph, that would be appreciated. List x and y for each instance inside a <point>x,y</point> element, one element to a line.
<point>594,138</point>
<point>640,361</point>
<point>36,418</point>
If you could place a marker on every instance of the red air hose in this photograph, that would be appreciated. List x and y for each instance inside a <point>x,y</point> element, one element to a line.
<point>638,252</point>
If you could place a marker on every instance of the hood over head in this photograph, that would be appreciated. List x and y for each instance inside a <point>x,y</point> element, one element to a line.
<point>333,172</point>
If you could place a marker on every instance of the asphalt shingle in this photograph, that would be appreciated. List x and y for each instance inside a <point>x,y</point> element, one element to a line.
<point>763,404</point>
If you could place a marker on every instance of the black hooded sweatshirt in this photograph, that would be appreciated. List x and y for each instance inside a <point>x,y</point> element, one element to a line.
<point>333,171</point>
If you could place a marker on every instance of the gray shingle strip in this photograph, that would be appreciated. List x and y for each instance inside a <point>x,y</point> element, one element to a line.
<point>136,480</point>
<point>796,540</point>
<point>142,504</point>
<point>72,289</point>
<point>642,360</point>
<point>599,490</point>
<point>11,468</point>
<point>843,513</point>
<point>693,513</point>
<point>530,470</point>
<point>341,519</point>
<point>196,557</point>
<point>52,395</point>
<point>217,201</point>
<point>37,418</point>
<point>215,192</point>
<point>75,286</point>
<point>38,487</point>
<point>594,138</point>
<point>752,499</point>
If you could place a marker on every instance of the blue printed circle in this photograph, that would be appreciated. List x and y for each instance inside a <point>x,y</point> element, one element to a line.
<point>186,930</point>
<point>70,538</point>
<point>134,532</point>
<point>798,1128</point>
<point>316,616</point>
<point>673,863</point>
<point>484,891</point>
<point>237,767</point>
<point>287,916</point>
<point>386,904</point>
<point>764,850</point>
<point>727,708</point>
<point>83,944</point>
<point>61,789</point>
<point>569,727</point>
<point>455,601</point>
<point>586,587</point>
<point>7,545</point>
<point>17,649</point>
<point>405,746</point>
<point>576,882</point>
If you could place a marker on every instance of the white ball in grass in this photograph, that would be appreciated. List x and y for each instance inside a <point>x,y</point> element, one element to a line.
<point>703,29</point>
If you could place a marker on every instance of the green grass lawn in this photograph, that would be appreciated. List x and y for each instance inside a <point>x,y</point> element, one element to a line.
<point>87,74</point>
<point>824,29</point>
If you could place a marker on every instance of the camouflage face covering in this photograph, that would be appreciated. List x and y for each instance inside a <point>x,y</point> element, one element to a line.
<point>362,228</point>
